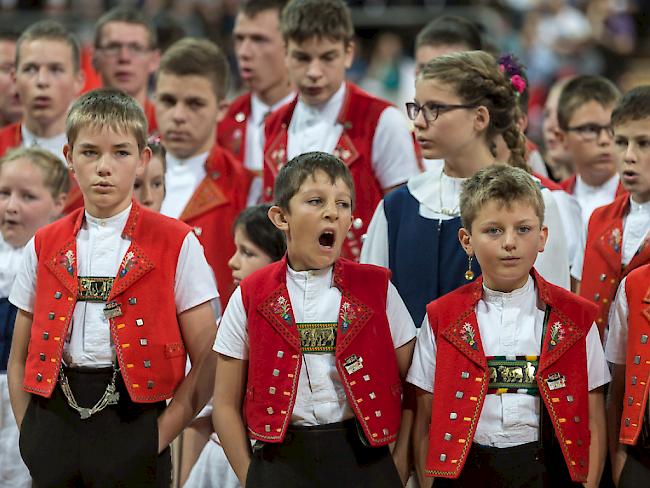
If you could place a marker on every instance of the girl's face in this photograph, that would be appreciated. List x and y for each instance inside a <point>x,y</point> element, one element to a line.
<point>149,188</point>
<point>247,258</point>
<point>26,204</point>
<point>454,128</point>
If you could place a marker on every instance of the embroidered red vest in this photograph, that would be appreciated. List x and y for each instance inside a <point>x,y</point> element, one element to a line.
<point>212,210</point>
<point>603,270</point>
<point>146,335</point>
<point>365,356</point>
<point>10,137</point>
<point>569,186</point>
<point>461,378</point>
<point>637,359</point>
<point>231,131</point>
<point>359,116</point>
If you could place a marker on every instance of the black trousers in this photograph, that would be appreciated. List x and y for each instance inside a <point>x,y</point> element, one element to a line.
<point>115,447</point>
<point>636,472</point>
<point>525,466</point>
<point>326,456</point>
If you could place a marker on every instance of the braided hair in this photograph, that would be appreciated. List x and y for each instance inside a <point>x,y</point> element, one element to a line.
<point>477,79</point>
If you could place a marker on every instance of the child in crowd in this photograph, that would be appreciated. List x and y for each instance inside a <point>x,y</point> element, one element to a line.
<point>33,187</point>
<point>555,155</point>
<point>149,187</point>
<point>315,346</point>
<point>617,236</point>
<point>628,406</point>
<point>335,116</point>
<point>506,361</point>
<point>258,243</point>
<point>463,103</point>
<point>584,113</point>
<point>101,336</point>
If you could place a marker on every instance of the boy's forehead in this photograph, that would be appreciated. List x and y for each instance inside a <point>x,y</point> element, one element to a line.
<point>591,111</point>
<point>495,209</point>
<point>633,127</point>
<point>97,135</point>
<point>316,44</point>
<point>320,179</point>
<point>46,50</point>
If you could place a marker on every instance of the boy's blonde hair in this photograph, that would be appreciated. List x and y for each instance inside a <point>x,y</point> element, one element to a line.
<point>506,185</point>
<point>107,108</point>
<point>302,20</point>
<point>55,174</point>
<point>633,106</point>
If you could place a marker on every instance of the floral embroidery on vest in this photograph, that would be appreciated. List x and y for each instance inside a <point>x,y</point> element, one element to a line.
<point>557,335</point>
<point>468,334</point>
<point>281,308</point>
<point>67,261</point>
<point>347,315</point>
<point>127,263</point>
<point>615,239</point>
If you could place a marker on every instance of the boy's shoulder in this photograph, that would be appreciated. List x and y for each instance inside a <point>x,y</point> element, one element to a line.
<point>639,276</point>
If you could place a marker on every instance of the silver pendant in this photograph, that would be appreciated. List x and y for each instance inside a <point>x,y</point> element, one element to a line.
<point>84,413</point>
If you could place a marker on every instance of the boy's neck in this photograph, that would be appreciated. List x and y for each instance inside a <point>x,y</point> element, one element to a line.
<point>640,198</point>
<point>45,130</point>
<point>275,93</point>
<point>206,148</point>
<point>595,178</point>
<point>467,164</point>
<point>97,213</point>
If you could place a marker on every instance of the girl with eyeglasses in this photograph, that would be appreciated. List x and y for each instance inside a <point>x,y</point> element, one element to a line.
<point>463,103</point>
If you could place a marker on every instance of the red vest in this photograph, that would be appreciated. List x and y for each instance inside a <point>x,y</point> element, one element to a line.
<point>365,356</point>
<point>231,131</point>
<point>212,210</point>
<point>637,360</point>
<point>146,333</point>
<point>569,186</point>
<point>150,113</point>
<point>462,378</point>
<point>603,270</point>
<point>359,116</point>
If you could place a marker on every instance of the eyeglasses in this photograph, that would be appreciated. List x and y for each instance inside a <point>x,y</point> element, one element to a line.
<point>115,49</point>
<point>591,132</point>
<point>431,111</point>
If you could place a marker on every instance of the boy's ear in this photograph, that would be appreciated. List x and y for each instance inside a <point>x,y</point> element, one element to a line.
<point>59,204</point>
<point>561,137</point>
<point>67,152</point>
<point>482,118</point>
<point>465,239</point>
<point>277,216</point>
<point>543,237</point>
<point>223,110</point>
<point>145,157</point>
<point>79,81</point>
<point>349,54</point>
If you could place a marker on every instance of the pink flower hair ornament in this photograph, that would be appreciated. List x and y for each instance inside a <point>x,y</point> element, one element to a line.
<point>510,66</point>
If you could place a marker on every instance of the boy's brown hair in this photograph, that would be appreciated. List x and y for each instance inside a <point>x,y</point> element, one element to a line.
<point>450,30</point>
<point>251,8</point>
<point>53,31</point>
<point>503,183</point>
<point>634,105</point>
<point>584,89</point>
<point>324,19</point>
<point>128,15</point>
<point>295,172</point>
<point>55,174</point>
<point>107,108</point>
<point>198,57</point>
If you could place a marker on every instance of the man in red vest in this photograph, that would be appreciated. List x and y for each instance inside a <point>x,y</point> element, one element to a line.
<point>112,298</point>
<point>206,186</point>
<point>259,48</point>
<point>127,54</point>
<point>617,237</point>
<point>509,368</point>
<point>332,115</point>
<point>628,407</point>
<point>10,108</point>
<point>316,347</point>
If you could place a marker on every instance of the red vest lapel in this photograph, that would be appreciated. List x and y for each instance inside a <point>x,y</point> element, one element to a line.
<point>63,264</point>
<point>276,309</point>
<point>345,149</point>
<point>353,314</point>
<point>641,257</point>
<point>208,194</point>
<point>610,244</point>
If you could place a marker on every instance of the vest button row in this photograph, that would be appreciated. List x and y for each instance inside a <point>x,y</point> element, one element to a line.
<point>50,316</point>
<point>633,380</point>
<point>644,339</point>
<point>602,277</point>
<point>57,295</point>
<point>41,356</point>
<point>46,335</point>
<point>39,377</point>
<point>133,301</point>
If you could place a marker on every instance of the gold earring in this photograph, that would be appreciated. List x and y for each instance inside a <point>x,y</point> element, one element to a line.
<point>469,274</point>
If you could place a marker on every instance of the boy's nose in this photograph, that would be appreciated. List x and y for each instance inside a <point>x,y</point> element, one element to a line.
<point>146,196</point>
<point>233,262</point>
<point>314,71</point>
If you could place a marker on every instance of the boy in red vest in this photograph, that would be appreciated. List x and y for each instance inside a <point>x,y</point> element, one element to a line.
<point>206,186</point>
<point>509,367</point>
<point>334,116</point>
<point>617,236</point>
<point>111,300</point>
<point>315,346</point>
<point>628,406</point>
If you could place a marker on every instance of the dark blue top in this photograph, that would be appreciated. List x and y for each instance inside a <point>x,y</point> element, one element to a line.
<point>7,319</point>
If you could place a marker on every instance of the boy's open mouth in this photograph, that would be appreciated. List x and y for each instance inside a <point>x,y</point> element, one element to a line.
<point>326,239</point>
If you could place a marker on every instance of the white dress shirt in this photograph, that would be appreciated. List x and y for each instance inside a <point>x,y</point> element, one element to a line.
<point>53,144</point>
<point>182,178</point>
<point>10,261</point>
<point>616,335</point>
<point>426,188</point>
<point>321,397</point>
<point>317,129</point>
<point>100,250</point>
<point>591,197</point>
<point>510,324</point>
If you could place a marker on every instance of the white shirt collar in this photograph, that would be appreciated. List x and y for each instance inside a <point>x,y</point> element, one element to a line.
<point>426,187</point>
<point>516,296</point>
<point>324,274</point>
<point>11,259</point>
<point>116,222</point>
<point>327,112</point>
<point>259,109</point>
<point>641,208</point>
<point>608,188</point>
<point>53,144</point>
<point>194,162</point>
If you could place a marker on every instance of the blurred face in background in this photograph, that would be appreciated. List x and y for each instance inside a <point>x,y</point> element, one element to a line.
<point>10,107</point>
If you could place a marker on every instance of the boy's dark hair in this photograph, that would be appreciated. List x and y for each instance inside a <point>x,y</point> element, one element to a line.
<point>633,105</point>
<point>584,89</point>
<point>325,19</point>
<point>198,57</point>
<point>257,226</point>
<point>8,34</point>
<point>128,15</point>
<point>450,30</point>
<point>295,172</point>
<point>251,8</point>
<point>107,108</point>
<point>54,31</point>
<point>500,182</point>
